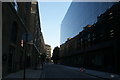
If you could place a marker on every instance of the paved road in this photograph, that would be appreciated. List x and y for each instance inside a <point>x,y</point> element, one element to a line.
<point>54,71</point>
<point>51,72</point>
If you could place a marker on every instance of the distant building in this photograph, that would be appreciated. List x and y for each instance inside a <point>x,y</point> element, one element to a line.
<point>18,19</point>
<point>56,55</point>
<point>48,53</point>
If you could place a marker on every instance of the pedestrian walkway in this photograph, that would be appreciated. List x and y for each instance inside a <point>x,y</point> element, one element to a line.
<point>102,75</point>
<point>31,74</point>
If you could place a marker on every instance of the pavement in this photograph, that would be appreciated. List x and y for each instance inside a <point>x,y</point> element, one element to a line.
<point>30,74</point>
<point>52,72</point>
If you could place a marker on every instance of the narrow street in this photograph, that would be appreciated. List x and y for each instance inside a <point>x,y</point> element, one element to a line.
<point>39,37</point>
<point>54,71</point>
<point>51,72</point>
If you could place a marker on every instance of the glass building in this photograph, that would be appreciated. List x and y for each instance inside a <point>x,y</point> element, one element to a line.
<point>79,15</point>
<point>92,31</point>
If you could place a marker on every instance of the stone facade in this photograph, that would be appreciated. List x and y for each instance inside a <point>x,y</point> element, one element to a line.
<point>19,18</point>
<point>48,53</point>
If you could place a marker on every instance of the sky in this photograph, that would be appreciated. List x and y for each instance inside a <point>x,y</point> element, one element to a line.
<point>51,16</point>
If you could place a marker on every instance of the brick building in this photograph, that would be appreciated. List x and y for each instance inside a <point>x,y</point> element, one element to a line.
<point>18,19</point>
<point>48,53</point>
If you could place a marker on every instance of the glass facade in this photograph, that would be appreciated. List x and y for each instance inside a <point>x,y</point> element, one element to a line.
<point>95,32</point>
<point>79,15</point>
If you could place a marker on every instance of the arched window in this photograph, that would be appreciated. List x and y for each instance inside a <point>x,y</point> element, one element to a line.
<point>14,32</point>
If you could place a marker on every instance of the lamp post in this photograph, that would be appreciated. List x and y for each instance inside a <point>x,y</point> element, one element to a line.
<point>26,38</point>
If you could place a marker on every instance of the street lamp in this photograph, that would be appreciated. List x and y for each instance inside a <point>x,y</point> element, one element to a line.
<point>27,43</point>
<point>26,38</point>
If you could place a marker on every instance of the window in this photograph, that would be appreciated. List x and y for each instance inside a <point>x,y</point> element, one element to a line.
<point>15,5</point>
<point>110,13</point>
<point>14,32</point>
<point>33,7</point>
<point>34,2</point>
<point>111,18</point>
<point>98,60</point>
<point>93,37</point>
<point>111,33</point>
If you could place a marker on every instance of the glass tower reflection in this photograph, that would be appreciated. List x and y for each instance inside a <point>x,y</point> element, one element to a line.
<point>79,15</point>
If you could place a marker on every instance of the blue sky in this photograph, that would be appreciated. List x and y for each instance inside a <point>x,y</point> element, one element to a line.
<point>51,15</point>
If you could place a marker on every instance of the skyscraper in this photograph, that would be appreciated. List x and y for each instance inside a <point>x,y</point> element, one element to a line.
<point>19,18</point>
<point>96,47</point>
<point>79,15</point>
